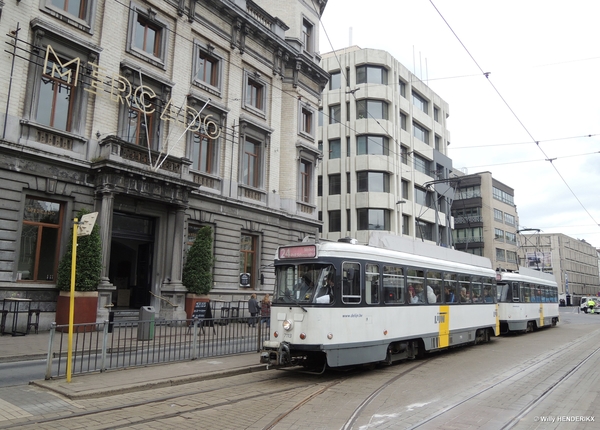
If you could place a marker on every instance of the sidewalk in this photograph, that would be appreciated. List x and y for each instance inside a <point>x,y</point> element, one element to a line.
<point>94,385</point>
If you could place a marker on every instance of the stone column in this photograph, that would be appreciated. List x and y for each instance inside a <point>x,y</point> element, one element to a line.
<point>105,288</point>
<point>172,288</point>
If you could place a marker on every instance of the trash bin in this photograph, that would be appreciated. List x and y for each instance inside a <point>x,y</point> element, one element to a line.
<point>146,324</point>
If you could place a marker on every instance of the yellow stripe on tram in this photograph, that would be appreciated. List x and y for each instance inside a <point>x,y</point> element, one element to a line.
<point>541,315</point>
<point>497,313</point>
<point>444,323</point>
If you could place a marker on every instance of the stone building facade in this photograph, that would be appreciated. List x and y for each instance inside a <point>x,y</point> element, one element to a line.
<point>162,116</point>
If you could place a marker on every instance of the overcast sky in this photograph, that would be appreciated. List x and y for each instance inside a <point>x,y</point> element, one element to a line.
<point>543,60</point>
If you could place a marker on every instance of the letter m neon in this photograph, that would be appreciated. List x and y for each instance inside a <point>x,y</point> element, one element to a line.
<point>57,66</point>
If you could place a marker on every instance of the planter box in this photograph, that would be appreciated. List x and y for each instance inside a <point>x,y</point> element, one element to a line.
<point>86,308</point>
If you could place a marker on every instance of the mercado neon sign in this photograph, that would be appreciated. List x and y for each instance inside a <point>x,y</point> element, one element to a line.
<point>122,91</point>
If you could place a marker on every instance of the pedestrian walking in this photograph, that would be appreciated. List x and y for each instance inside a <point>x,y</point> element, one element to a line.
<point>265,310</point>
<point>254,309</point>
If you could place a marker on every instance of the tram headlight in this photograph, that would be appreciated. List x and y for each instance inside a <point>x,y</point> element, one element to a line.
<point>287,325</point>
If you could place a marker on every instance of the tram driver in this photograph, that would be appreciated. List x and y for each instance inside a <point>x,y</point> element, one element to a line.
<point>303,288</point>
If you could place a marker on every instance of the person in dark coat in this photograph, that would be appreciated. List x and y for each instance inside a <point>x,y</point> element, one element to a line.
<point>254,309</point>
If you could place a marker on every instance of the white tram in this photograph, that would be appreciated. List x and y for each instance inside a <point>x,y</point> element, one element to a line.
<point>527,300</point>
<point>341,304</point>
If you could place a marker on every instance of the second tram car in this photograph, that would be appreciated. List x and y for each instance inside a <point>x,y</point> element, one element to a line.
<point>527,300</point>
<point>342,304</point>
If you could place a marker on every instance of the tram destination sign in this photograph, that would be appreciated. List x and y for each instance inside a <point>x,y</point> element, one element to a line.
<point>304,251</point>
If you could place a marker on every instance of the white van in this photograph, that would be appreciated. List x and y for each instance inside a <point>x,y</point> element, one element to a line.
<point>584,306</point>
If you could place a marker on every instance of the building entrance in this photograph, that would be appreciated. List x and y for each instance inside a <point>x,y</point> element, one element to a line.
<point>131,259</point>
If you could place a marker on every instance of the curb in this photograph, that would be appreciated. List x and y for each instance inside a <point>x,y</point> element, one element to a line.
<point>56,385</point>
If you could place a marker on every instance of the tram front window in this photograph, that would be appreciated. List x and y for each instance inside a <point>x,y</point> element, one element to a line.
<point>304,283</point>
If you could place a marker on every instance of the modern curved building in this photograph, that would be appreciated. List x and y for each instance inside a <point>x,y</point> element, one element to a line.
<point>384,139</point>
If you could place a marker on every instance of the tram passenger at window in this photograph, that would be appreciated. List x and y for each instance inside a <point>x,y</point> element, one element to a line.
<point>449,294</point>
<point>325,293</point>
<point>412,294</point>
<point>487,295</point>
<point>430,295</point>
<point>464,298</point>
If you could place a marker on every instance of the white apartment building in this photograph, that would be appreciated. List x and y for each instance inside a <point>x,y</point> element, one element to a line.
<point>162,116</point>
<point>384,138</point>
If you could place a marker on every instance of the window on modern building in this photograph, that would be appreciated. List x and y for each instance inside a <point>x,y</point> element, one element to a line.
<point>404,154</point>
<point>371,75</point>
<point>421,164</point>
<point>335,114</point>
<point>347,111</point>
<point>405,224</point>
<point>510,238</point>
<point>403,121</point>
<point>420,102</point>
<point>306,121</point>
<point>402,88</point>
<point>438,142</point>
<point>249,257</point>
<point>375,109</point>
<point>335,149</point>
<point>404,186</point>
<point>499,235</point>
<point>251,162</point>
<point>422,197</point>
<point>421,133</point>
<point>305,181</point>
<point>373,219</point>
<point>348,220</point>
<point>40,240</point>
<point>335,82</point>
<point>497,215</point>
<point>511,256</point>
<point>372,145</point>
<point>424,230</point>
<point>467,215</point>
<point>320,218</point>
<point>500,254</point>
<point>335,221</point>
<point>503,196</point>
<point>335,184</point>
<point>467,235</point>
<point>468,192</point>
<point>307,35</point>
<point>347,146</point>
<point>436,114</point>
<point>375,182</point>
<point>256,93</point>
<point>208,67</point>
<point>348,185</point>
<point>320,145</point>
<point>320,117</point>
<point>509,219</point>
<point>319,186</point>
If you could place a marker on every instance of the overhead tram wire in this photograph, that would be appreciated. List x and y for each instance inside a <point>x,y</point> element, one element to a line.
<point>487,76</point>
<point>528,142</point>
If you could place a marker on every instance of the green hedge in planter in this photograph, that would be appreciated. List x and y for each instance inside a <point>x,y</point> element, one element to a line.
<point>89,261</point>
<point>197,271</point>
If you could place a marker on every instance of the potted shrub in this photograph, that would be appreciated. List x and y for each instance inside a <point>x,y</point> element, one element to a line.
<point>87,278</point>
<point>197,271</point>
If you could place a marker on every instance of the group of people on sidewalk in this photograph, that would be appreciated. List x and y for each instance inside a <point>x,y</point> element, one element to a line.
<point>263,309</point>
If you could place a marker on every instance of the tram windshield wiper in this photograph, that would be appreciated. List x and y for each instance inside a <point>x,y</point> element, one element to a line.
<point>289,296</point>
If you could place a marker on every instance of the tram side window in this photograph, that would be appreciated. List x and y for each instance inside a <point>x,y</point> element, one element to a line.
<point>351,283</point>
<point>537,294</point>
<point>489,292</point>
<point>393,284</point>
<point>477,289</point>
<point>515,292</point>
<point>415,280</point>
<point>450,294</point>
<point>525,292</point>
<point>372,284</point>
<point>464,285</point>
<point>434,281</point>
<point>502,291</point>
